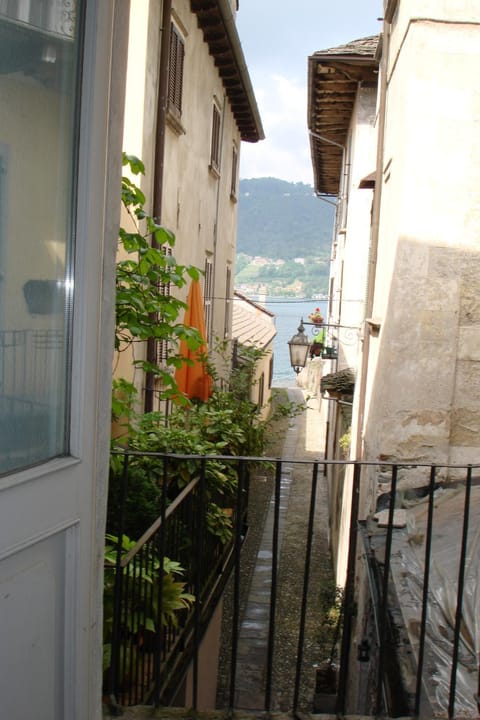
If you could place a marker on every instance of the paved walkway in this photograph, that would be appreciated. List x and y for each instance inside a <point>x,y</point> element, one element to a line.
<point>303,441</point>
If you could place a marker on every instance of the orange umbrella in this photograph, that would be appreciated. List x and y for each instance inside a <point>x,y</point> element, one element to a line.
<point>193,379</point>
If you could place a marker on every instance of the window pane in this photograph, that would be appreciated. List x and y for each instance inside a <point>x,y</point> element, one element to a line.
<point>39,52</point>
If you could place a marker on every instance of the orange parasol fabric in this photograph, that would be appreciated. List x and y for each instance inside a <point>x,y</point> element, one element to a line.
<point>194,380</point>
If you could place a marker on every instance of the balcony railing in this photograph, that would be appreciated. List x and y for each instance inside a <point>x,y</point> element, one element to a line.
<point>148,649</point>
<point>410,614</point>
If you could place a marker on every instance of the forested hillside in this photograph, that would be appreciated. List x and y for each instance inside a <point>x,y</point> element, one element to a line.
<point>284,239</point>
<point>282,220</point>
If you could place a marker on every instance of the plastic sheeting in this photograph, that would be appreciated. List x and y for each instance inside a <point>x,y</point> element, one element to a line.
<point>408,566</point>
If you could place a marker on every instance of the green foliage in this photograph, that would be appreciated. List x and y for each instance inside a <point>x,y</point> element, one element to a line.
<point>142,502</point>
<point>228,424</point>
<point>330,604</point>
<point>145,307</point>
<point>219,522</point>
<point>138,616</point>
<point>285,219</point>
<point>345,442</point>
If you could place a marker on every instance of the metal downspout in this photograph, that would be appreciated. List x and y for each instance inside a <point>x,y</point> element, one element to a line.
<point>158,170</point>
<point>359,450</point>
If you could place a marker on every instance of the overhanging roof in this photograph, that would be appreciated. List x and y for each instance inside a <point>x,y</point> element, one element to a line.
<point>252,324</point>
<point>333,79</point>
<point>216,20</point>
<point>339,383</point>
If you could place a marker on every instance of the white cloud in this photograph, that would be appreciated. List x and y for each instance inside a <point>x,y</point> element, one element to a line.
<point>285,152</point>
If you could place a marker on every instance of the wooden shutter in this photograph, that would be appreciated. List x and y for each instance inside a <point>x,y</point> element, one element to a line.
<point>161,346</point>
<point>208,297</point>
<point>233,186</point>
<point>215,148</point>
<point>175,71</point>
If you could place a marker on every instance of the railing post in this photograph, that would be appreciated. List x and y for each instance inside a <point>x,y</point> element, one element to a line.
<point>426,580</point>
<point>384,597</point>
<point>201,514</point>
<point>236,585</point>
<point>273,591</point>
<point>157,658</point>
<point>347,609</point>
<point>306,581</point>
<point>118,589</point>
<point>460,586</point>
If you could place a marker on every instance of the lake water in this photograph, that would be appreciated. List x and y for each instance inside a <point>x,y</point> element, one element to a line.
<point>288,312</point>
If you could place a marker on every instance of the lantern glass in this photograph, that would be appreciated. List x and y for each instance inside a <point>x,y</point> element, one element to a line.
<point>298,348</point>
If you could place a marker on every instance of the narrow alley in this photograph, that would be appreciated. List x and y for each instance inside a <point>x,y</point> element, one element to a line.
<point>302,441</point>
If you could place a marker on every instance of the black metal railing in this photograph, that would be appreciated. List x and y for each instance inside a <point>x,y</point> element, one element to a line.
<point>149,638</point>
<point>410,611</point>
<point>413,605</point>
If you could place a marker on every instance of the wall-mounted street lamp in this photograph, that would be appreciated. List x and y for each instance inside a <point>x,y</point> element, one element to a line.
<point>299,345</point>
<point>298,348</point>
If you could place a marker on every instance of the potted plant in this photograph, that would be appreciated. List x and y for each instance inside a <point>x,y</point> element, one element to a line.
<point>316,348</point>
<point>330,353</point>
<point>316,317</point>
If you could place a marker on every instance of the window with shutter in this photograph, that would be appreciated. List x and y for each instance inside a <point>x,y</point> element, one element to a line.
<point>215,146</point>
<point>228,302</point>
<point>175,71</point>
<point>161,346</point>
<point>233,186</point>
<point>208,297</point>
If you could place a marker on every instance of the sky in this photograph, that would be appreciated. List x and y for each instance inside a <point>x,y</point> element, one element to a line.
<point>277,37</point>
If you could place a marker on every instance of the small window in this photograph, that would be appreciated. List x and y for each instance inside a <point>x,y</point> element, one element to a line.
<point>233,186</point>
<point>161,346</point>
<point>261,390</point>
<point>175,71</point>
<point>208,297</point>
<point>228,302</point>
<point>215,146</point>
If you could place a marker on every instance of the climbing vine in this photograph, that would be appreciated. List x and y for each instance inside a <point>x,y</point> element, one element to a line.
<point>145,308</point>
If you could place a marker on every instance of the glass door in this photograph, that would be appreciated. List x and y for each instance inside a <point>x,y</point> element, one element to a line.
<point>40,57</point>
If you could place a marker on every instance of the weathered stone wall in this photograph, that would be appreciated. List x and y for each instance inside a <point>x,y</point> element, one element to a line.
<point>423,394</point>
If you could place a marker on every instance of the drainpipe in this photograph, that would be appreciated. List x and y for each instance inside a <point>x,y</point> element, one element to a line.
<point>359,450</point>
<point>158,170</point>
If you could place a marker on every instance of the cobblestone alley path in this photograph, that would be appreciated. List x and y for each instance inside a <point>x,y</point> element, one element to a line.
<point>302,441</point>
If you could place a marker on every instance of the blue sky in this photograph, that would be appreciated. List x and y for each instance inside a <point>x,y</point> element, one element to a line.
<point>277,37</point>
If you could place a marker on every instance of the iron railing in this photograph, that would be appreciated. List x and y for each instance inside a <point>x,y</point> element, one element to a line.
<point>148,649</point>
<point>410,612</point>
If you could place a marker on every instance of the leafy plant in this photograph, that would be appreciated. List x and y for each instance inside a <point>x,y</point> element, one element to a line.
<point>145,307</point>
<point>345,442</point>
<point>141,609</point>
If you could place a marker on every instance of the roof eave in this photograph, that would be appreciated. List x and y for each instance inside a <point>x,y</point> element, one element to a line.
<point>240,92</point>
<point>327,139</point>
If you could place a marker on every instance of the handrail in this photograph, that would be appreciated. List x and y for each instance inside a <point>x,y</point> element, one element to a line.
<point>158,522</point>
<point>294,461</point>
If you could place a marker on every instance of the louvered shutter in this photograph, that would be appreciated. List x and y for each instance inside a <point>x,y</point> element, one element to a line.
<point>175,73</point>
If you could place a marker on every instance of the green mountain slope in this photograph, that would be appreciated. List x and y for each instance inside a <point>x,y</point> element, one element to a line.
<point>282,220</point>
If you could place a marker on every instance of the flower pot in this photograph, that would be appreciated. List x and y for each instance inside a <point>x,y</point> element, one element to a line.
<point>329,353</point>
